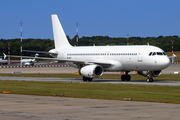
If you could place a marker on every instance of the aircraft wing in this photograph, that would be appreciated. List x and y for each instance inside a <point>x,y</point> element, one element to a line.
<point>173,56</point>
<point>102,63</point>
<point>46,58</point>
<point>39,52</point>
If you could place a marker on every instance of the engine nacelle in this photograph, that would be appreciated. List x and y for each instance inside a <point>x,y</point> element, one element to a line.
<point>53,51</point>
<point>28,63</point>
<point>91,71</point>
<point>152,73</point>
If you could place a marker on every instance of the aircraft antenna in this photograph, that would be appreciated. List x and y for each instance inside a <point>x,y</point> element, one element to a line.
<point>172,50</point>
<point>77,33</point>
<point>127,38</point>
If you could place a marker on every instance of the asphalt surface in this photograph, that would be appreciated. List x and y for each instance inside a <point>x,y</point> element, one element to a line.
<point>109,81</point>
<point>29,107</point>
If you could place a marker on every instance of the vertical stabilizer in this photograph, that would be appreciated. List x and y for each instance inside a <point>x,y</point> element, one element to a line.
<point>60,39</point>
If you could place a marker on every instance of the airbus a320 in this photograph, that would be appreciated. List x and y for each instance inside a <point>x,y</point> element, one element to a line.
<point>93,61</point>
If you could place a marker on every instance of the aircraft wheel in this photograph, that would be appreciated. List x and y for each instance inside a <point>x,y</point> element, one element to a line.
<point>151,80</point>
<point>123,77</point>
<point>128,77</point>
<point>148,79</point>
<point>90,79</point>
<point>84,79</point>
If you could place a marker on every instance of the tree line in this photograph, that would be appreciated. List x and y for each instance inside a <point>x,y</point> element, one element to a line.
<point>164,42</point>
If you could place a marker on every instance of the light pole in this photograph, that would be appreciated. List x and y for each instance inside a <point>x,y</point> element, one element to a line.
<point>77,33</point>
<point>21,42</point>
<point>9,52</point>
<point>172,51</point>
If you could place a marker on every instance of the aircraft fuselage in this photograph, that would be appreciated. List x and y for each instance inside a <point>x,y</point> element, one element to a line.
<point>122,58</point>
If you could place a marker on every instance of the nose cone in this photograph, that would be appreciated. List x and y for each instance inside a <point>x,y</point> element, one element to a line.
<point>165,62</point>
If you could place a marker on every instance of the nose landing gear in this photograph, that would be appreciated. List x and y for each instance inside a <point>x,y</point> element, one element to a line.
<point>149,79</point>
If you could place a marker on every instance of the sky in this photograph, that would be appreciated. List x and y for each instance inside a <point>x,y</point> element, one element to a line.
<point>113,18</point>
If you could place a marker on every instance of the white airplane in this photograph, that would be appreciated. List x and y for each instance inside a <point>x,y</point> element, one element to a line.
<point>3,62</point>
<point>92,61</point>
<point>28,62</point>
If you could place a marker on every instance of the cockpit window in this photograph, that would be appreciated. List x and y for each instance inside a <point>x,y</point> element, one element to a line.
<point>150,53</point>
<point>164,53</point>
<point>154,53</point>
<point>159,53</point>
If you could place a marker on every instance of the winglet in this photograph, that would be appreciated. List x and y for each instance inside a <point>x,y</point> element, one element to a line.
<point>173,56</point>
<point>4,55</point>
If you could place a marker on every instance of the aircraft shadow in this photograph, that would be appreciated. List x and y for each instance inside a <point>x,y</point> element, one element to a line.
<point>109,80</point>
<point>119,81</point>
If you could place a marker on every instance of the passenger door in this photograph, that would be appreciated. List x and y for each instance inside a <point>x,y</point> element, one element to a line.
<point>140,55</point>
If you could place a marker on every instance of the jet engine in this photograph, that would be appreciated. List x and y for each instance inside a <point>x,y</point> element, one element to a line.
<point>53,51</point>
<point>91,71</point>
<point>151,73</point>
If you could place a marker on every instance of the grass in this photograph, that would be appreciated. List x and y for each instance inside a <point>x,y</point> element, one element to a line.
<point>148,93</point>
<point>164,94</point>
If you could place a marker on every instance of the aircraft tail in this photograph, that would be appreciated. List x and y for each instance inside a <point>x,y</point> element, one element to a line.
<point>60,39</point>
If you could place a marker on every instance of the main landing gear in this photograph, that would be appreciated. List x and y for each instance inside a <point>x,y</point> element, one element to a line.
<point>126,77</point>
<point>87,79</point>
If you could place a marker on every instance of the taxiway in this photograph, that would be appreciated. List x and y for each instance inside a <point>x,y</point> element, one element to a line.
<point>109,81</point>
